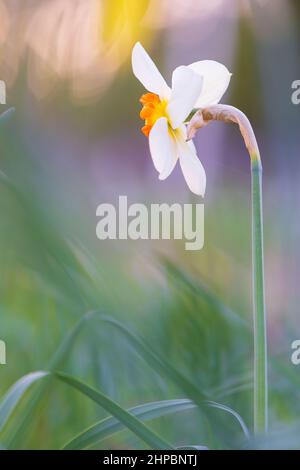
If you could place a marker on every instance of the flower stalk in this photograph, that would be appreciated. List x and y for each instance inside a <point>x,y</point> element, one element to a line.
<point>230,114</point>
<point>259,312</point>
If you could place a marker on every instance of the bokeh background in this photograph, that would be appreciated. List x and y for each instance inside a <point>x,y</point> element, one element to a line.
<point>75,142</point>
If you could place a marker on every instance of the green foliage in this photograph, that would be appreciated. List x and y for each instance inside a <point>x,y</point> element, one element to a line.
<point>149,346</point>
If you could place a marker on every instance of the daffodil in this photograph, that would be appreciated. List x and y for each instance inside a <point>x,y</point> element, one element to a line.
<point>165,110</point>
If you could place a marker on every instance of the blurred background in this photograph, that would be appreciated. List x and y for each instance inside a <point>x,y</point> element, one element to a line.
<point>75,142</point>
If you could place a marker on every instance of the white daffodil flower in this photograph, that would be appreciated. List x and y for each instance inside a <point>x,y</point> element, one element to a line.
<point>165,110</point>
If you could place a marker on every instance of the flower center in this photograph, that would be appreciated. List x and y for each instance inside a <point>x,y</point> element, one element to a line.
<point>153,109</point>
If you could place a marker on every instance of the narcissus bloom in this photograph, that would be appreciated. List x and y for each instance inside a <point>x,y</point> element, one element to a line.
<point>166,109</point>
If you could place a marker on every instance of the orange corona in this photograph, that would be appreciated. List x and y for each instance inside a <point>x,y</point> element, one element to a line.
<point>153,109</point>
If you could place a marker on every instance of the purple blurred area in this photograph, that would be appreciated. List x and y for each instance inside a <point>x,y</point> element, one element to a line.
<point>78,143</point>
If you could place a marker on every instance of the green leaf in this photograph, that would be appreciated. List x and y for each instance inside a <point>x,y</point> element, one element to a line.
<point>129,420</point>
<point>15,393</point>
<point>161,365</point>
<point>165,369</point>
<point>55,362</point>
<point>192,448</point>
<point>6,116</point>
<point>199,288</point>
<point>233,385</point>
<point>67,343</point>
<point>109,426</point>
<point>229,410</point>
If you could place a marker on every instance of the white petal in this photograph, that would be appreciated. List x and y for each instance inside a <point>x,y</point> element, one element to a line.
<point>191,166</point>
<point>171,159</point>
<point>147,73</point>
<point>162,148</point>
<point>216,79</point>
<point>186,88</point>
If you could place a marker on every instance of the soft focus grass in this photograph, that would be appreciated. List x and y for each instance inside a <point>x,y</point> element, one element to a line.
<point>167,324</point>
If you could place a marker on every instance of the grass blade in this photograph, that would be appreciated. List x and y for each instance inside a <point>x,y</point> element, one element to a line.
<point>160,365</point>
<point>192,448</point>
<point>236,415</point>
<point>55,362</point>
<point>200,289</point>
<point>4,117</point>
<point>67,343</point>
<point>129,420</point>
<point>15,393</point>
<point>109,426</point>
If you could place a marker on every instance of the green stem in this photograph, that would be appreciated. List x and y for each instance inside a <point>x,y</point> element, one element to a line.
<point>226,113</point>
<point>259,312</point>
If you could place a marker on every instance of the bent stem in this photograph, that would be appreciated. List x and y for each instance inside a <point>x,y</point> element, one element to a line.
<point>259,313</point>
<point>230,114</point>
